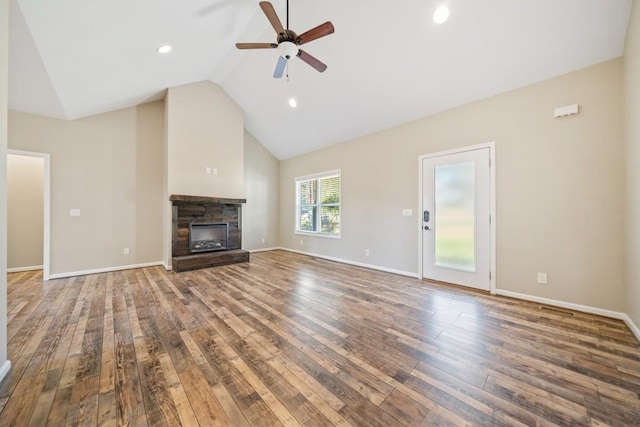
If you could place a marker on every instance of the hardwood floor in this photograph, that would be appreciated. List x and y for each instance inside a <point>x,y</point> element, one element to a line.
<point>293,340</point>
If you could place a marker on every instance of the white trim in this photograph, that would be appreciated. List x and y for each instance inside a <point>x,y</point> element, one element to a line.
<point>577,307</point>
<point>319,234</point>
<point>253,251</point>
<point>634,328</point>
<point>358,264</point>
<point>46,243</point>
<point>334,172</point>
<point>105,270</point>
<point>166,266</point>
<point>21,269</point>
<point>492,189</point>
<point>4,369</point>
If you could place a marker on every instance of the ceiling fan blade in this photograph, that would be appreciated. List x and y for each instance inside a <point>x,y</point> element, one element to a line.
<point>272,16</point>
<point>279,71</point>
<point>315,33</point>
<point>256,45</point>
<point>311,60</point>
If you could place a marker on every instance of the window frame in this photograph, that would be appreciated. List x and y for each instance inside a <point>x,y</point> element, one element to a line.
<point>317,176</point>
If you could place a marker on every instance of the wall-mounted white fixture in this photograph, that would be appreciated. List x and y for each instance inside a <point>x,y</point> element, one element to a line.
<point>567,110</point>
<point>74,212</point>
<point>164,49</point>
<point>293,103</point>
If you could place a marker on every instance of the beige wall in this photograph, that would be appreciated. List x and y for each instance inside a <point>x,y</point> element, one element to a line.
<point>261,181</point>
<point>110,167</point>
<point>632,156</point>
<point>204,129</point>
<point>4,70</point>
<point>25,216</point>
<point>559,187</point>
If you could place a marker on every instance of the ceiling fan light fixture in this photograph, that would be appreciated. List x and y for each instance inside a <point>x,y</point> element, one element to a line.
<point>288,50</point>
<point>441,14</point>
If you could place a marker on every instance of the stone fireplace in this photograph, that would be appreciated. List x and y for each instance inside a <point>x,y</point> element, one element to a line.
<point>207,232</point>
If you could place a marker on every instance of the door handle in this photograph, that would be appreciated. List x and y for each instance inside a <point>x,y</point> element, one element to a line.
<point>426,227</point>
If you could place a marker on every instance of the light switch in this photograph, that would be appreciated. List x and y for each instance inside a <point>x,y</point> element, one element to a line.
<point>74,212</point>
<point>407,212</point>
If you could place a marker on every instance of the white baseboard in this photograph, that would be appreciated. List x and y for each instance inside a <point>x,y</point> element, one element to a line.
<point>253,251</point>
<point>4,370</point>
<point>167,267</point>
<point>577,307</point>
<point>358,264</point>
<point>104,270</point>
<point>21,269</point>
<point>634,328</point>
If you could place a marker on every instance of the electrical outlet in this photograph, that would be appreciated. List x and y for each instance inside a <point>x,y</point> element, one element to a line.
<point>263,240</point>
<point>125,251</point>
<point>367,252</point>
<point>301,242</point>
<point>542,278</point>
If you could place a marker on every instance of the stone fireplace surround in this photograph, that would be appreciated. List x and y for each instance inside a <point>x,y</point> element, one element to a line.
<point>187,210</point>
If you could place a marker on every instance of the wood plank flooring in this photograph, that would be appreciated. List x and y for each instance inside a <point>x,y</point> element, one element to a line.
<point>293,340</point>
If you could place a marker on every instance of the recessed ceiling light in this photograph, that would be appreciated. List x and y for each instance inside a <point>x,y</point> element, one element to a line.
<point>441,14</point>
<point>164,49</point>
<point>293,103</point>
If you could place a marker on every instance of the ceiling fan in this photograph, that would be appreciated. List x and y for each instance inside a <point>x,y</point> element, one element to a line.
<point>288,41</point>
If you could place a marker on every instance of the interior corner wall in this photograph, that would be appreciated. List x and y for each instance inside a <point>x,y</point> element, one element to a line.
<point>109,166</point>
<point>632,157</point>
<point>4,82</point>
<point>262,187</point>
<point>559,186</point>
<point>25,211</point>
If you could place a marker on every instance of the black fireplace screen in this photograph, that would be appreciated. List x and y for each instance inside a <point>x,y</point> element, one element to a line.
<point>207,237</point>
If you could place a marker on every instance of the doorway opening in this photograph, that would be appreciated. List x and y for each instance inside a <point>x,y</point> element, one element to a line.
<point>29,218</point>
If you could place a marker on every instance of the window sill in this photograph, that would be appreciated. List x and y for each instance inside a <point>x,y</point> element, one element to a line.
<point>325,235</point>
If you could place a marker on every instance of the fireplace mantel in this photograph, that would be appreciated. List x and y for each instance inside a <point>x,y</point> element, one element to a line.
<point>205,199</point>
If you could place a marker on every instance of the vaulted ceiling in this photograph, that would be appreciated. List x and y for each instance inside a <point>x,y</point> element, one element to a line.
<point>388,62</point>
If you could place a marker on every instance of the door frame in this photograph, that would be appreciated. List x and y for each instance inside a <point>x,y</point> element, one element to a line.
<point>46,241</point>
<point>492,204</point>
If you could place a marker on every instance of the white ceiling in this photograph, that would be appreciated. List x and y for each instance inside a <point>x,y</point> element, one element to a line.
<point>388,63</point>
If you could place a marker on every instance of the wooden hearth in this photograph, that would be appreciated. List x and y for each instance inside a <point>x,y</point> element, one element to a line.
<point>187,210</point>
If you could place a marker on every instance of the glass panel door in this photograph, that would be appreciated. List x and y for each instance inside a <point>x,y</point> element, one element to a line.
<point>455,216</point>
<point>456,223</point>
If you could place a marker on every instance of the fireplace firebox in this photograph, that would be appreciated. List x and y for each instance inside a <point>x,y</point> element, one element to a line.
<point>208,237</point>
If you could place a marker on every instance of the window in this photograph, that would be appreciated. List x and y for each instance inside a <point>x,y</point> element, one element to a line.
<point>318,204</point>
